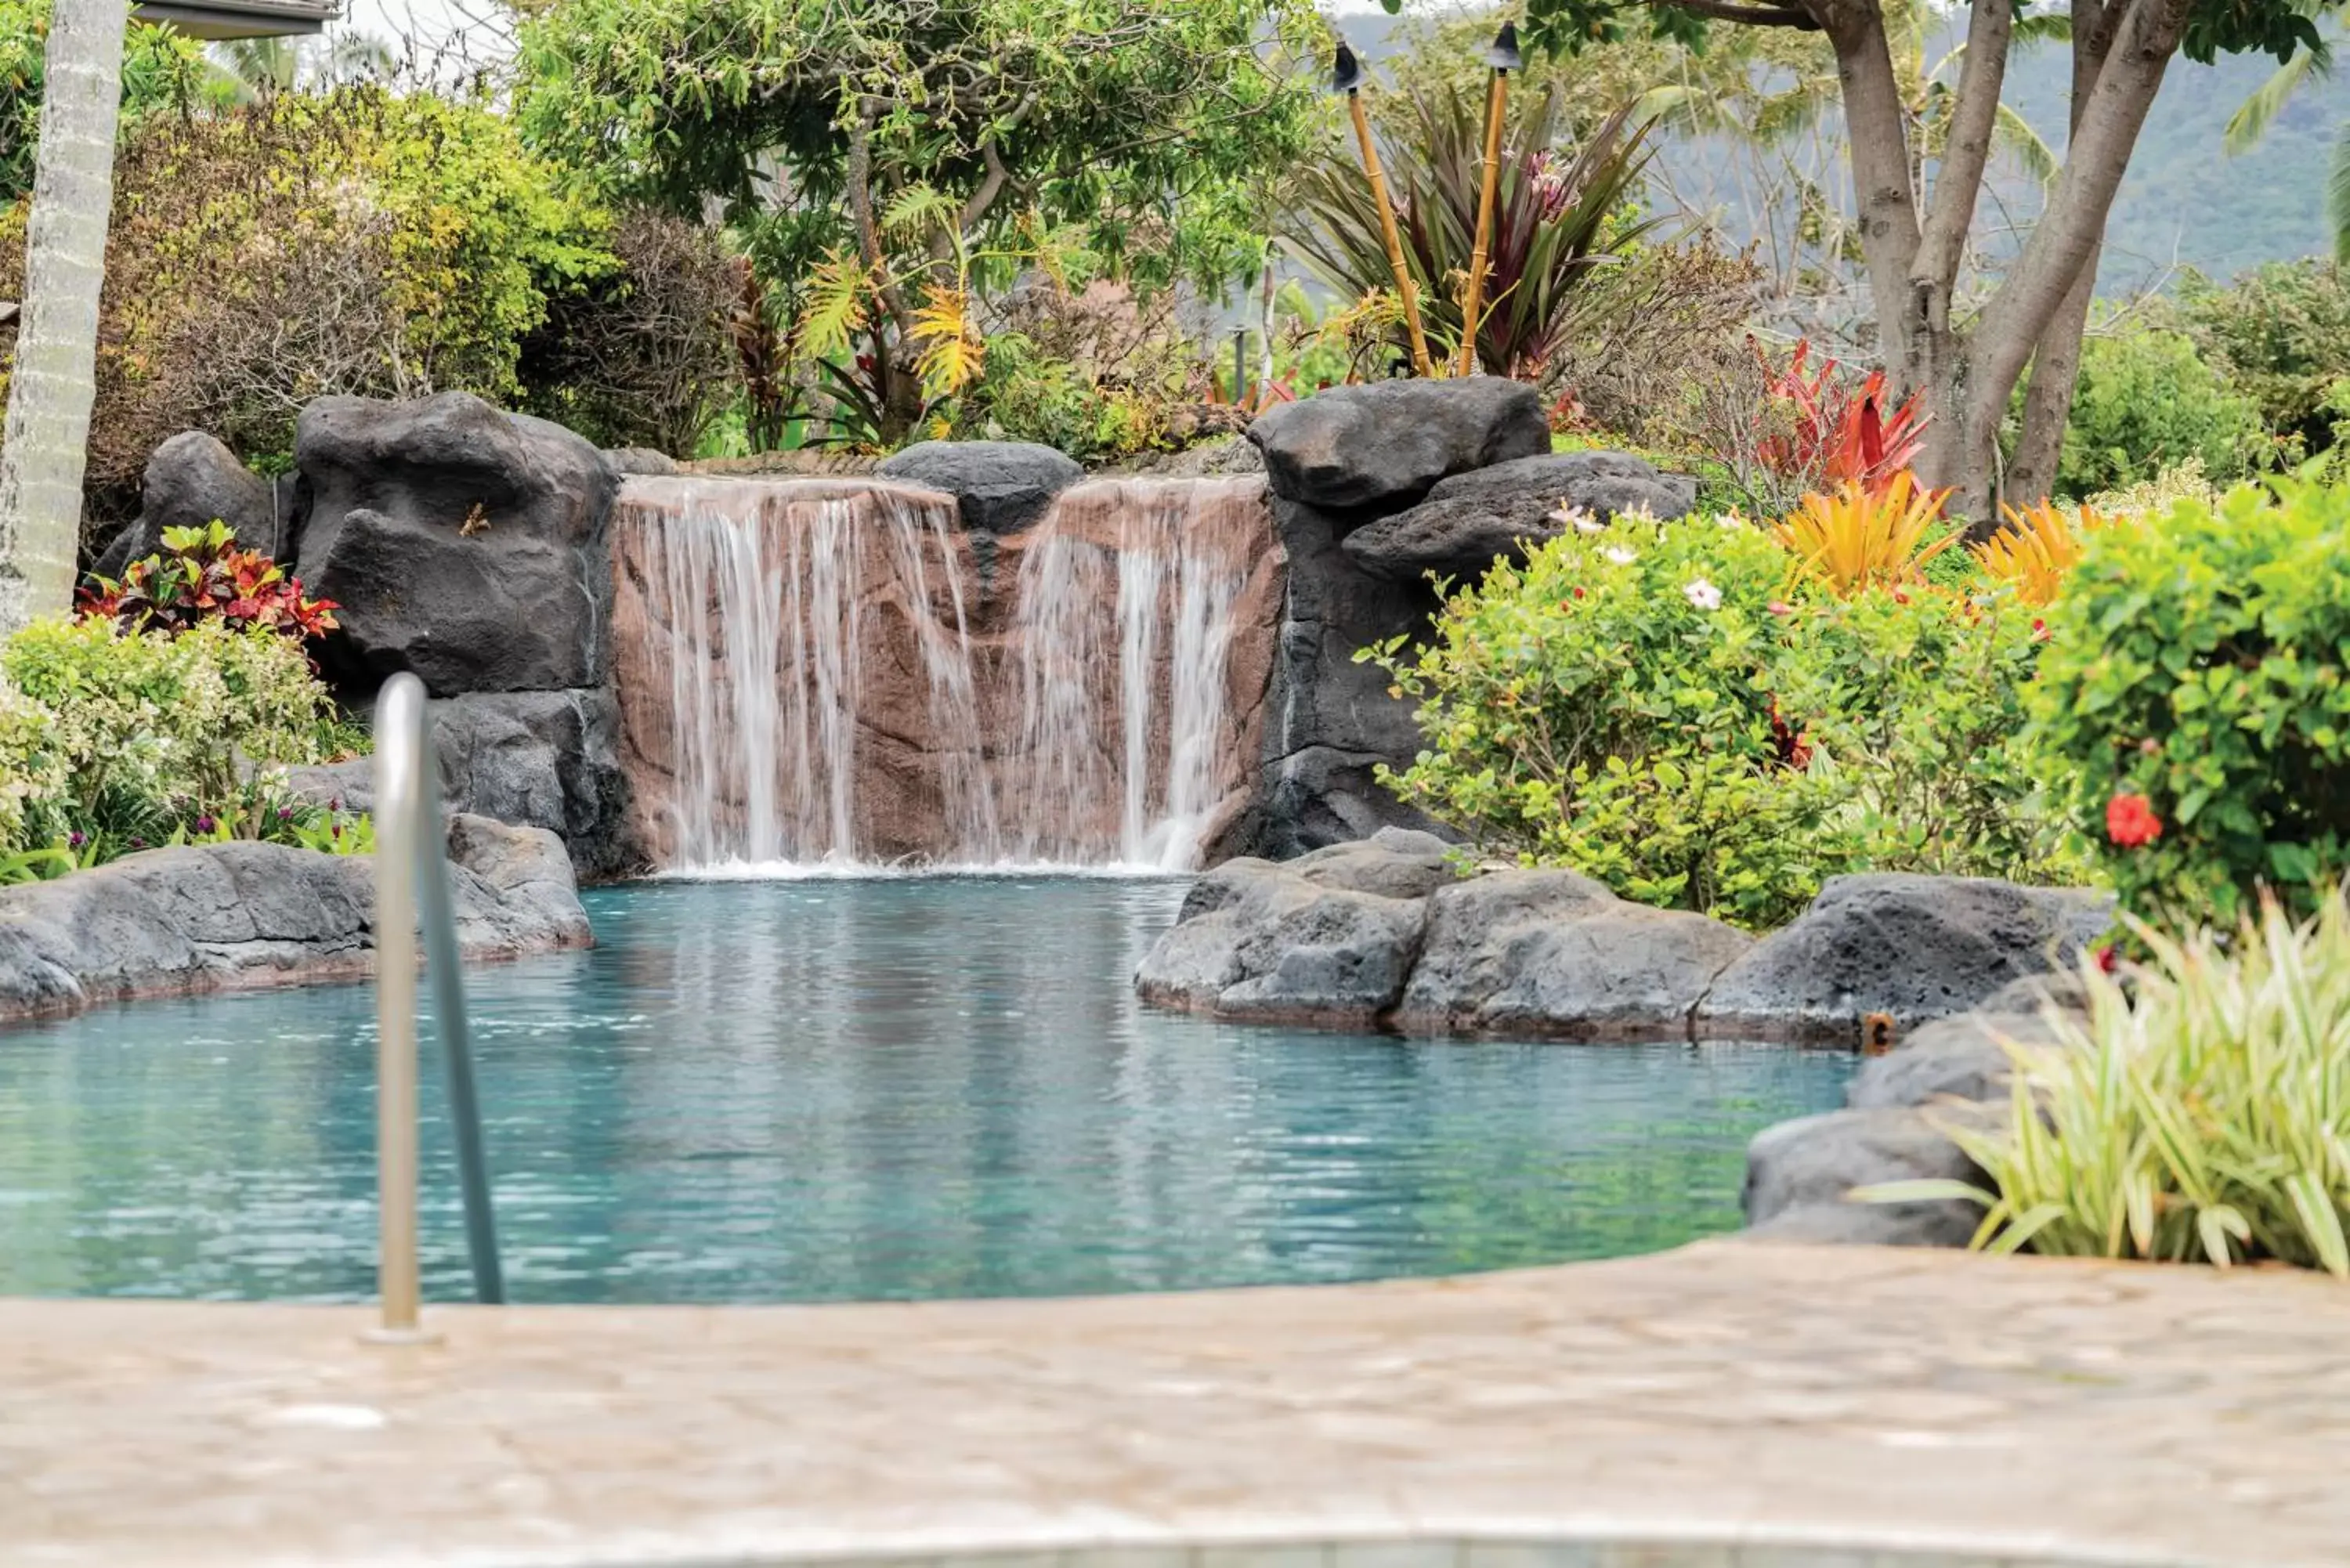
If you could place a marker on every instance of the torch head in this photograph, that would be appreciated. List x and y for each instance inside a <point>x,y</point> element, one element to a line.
<point>1346,75</point>
<point>1504,56</point>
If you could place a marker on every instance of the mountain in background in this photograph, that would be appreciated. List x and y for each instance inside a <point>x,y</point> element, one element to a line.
<point>2185,202</point>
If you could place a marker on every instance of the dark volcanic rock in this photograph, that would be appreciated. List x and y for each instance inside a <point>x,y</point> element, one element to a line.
<point>1555,954</point>
<point>192,479</point>
<point>1916,948</point>
<point>540,759</point>
<point>1471,519</point>
<point>1800,1174</point>
<point>230,916</point>
<point>627,459</point>
<point>1384,444</point>
<point>1001,486</point>
<point>1960,1058</point>
<point>466,544</point>
<point>1330,720</point>
<point>1261,941</point>
<point>529,759</point>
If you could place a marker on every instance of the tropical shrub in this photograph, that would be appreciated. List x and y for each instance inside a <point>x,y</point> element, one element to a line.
<point>643,355</point>
<point>32,770</point>
<point>201,575</point>
<point>2281,335</point>
<point>2147,401</point>
<point>2171,484</point>
<point>1558,221</point>
<point>1605,707</point>
<point>162,72</point>
<point>155,729</point>
<point>355,241</point>
<point>2038,545</point>
<point>2201,1114</point>
<point>2192,708</point>
<point>1866,537</point>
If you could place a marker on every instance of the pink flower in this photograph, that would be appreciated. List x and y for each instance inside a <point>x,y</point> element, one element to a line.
<point>2130,821</point>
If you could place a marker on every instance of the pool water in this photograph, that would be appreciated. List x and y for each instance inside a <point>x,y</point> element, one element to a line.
<point>857,1089</point>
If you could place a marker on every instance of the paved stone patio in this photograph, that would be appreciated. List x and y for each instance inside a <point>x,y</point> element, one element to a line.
<point>1728,1406</point>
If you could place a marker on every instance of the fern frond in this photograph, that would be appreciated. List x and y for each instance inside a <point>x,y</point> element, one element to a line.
<point>953,353</point>
<point>837,290</point>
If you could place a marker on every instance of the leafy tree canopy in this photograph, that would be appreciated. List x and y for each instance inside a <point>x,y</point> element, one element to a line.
<point>1132,116</point>
<point>160,69</point>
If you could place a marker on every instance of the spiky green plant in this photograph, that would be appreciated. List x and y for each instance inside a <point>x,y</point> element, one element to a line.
<point>2207,1119</point>
<point>1558,218</point>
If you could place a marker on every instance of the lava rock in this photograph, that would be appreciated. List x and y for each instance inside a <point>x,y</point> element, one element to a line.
<point>191,480</point>
<point>1393,862</point>
<point>1001,486</point>
<point>1960,1058</point>
<point>1473,519</point>
<point>540,759</point>
<point>1384,443</point>
<point>1555,955</point>
<point>232,916</point>
<point>629,459</point>
<point>1800,1176</point>
<point>1260,941</point>
<point>1912,947</point>
<point>463,544</point>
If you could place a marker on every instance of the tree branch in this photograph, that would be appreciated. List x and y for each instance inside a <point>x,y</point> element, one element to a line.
<point>1877,129</point>
<point>2068,233</point>
<point>1966,152</point>
<point>1750,16</point>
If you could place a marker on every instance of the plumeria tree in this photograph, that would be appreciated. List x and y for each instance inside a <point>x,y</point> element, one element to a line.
<point>1918,181</point>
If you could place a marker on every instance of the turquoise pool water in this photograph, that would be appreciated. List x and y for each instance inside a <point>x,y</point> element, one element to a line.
<point>857,1089</point>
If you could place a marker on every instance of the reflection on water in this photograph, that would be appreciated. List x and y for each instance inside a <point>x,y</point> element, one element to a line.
<point>839,1089</point>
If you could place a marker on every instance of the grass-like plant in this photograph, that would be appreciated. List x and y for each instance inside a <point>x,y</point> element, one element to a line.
<point>1866,537</point>
<point>2205,1118</point>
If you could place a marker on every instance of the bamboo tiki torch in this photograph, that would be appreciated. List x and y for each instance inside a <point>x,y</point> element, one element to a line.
<point>1348,79</point>
<point>1503,58</point>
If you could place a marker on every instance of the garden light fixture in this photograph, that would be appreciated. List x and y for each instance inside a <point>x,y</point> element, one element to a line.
<point>1347,78</point>
<point>1503,58</point>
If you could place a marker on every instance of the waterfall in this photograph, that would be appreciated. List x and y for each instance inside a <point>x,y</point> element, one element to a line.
<point>816,671</point>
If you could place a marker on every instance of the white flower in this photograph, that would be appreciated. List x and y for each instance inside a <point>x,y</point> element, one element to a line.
<point>1732,518</point>
<point>1584,522</point>
<point>1622,557</point>
<point>1703,595</point>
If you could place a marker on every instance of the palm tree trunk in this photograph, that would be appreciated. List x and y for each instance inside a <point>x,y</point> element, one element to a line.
<point>44,444</point>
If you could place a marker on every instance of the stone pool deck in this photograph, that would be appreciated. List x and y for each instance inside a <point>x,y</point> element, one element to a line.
<point>1727,1405</point>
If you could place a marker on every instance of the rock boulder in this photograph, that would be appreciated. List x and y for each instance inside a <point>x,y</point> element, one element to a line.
<point>1383,444</point>
<point>466,544</point>
<point>193,479</point>
<point>1265,942</point>
<point>1471,519</point>
<point>223,917</point>
<point>1555,954</point>
<point>1001,486</point>
<point>1916,948</point>
<point>1800,1176</point>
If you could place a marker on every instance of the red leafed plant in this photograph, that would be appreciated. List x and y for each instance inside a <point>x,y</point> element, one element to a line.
<point>1836,431</point>
<point>201,575</point>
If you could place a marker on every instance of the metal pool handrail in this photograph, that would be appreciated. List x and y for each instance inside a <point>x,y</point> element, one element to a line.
<point>411,880</point>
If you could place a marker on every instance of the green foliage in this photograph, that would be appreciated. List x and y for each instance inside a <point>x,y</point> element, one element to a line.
<point>1670,708</point>
<point>152,729</point>
<point>1150,124</point>
<point>2280,333</point>
<point>201,575</point>
<point>354,242</point>
<point>2206,1118</point>
<point>2147,401</point>
<point>161,71</point>
<point>2197,661</point>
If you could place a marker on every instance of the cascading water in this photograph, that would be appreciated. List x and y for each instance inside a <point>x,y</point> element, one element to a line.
<point>1172,557</point>
<point>814,671</point>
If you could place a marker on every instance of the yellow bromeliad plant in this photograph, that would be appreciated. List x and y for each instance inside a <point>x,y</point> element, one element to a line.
<point>1858,538</point>
<point>2039,546</point>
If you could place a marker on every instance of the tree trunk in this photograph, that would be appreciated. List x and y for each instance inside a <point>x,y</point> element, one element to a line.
<point>2056,363</point>
<point>44,444</point>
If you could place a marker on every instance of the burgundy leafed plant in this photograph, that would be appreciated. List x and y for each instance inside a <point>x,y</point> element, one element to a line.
<point>200,575</point>
<point>1839,431</point>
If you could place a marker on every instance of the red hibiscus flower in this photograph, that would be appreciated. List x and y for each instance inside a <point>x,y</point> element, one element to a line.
<point>2130,821</point>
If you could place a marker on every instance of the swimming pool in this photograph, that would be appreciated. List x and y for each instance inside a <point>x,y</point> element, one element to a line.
<point>857,1088</point>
